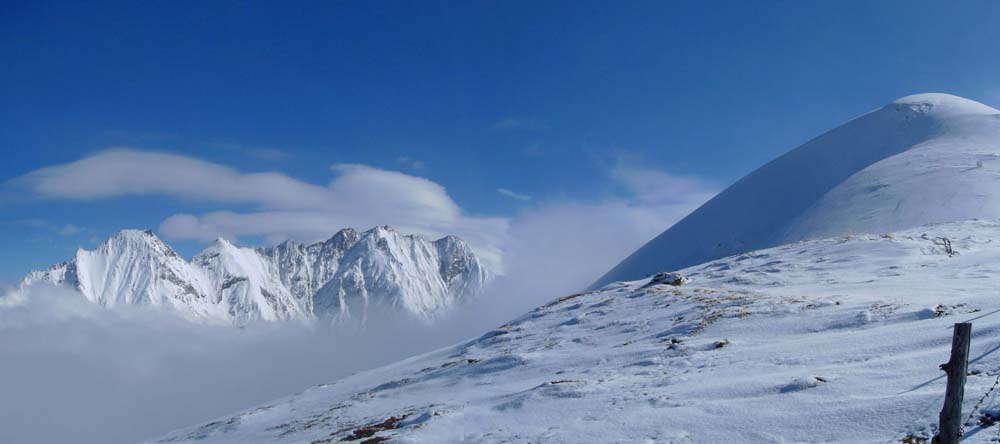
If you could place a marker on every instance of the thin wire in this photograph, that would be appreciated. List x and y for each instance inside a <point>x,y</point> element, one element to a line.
<point>995,418</point>
<point>961,431</point>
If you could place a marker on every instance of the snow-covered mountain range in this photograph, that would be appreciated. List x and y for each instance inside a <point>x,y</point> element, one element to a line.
<point>350,275</point>
<point>922,159</point>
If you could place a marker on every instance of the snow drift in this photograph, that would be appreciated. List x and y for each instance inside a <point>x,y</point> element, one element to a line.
<point>922,159</point>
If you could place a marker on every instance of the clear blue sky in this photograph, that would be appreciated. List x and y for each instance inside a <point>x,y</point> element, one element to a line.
<point>534,97</point>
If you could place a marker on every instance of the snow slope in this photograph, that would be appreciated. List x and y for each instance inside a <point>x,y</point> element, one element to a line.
<point>922,159</point>
<point>834,340</point>
<point>228,284</point>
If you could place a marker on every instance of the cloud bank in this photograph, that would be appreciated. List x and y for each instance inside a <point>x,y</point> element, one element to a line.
<point>76,372</point>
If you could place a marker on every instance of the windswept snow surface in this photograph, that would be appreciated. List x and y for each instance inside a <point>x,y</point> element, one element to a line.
<point>926,158</point>
<point>835,340</point>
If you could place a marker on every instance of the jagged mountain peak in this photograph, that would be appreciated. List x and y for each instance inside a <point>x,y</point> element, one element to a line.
<point>450,240</point>
<point>382,229</point>
<point>387,268</point>
<point>346,231</point>
<point>221,243</point>
<point>133,234</point>
<point>452,248</point>
<point>289,244</point>
<point>342,239</point>
<point>346,234</point>
<point>130,267</point>
<point>132,238</point>
<point>219,247</point>
<point>382,232</point>
<point>228,283</point>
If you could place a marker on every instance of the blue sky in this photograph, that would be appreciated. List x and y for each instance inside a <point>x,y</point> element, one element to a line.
<point>576,109</point>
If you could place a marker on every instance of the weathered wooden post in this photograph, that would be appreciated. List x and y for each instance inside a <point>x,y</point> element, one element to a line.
<point>956,368</point>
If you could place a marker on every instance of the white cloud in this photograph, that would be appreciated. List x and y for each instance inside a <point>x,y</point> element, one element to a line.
<point>361,197</point>
<point>270,154</point>
<point>34,223</point>
<point>417,166</point>
<point>658,188</point>
<point>41,224</point>
<point>257,152</point>
<point>512,194</point>
<point>563,247</point>
<point>518,123</point>
<point>120,172</point>
<point>69,230</point>
<point>386,193</point>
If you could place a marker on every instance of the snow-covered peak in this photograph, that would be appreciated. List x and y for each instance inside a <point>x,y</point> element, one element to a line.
<point>219,250</point>
<point>384,234</point>
<point>246,284</point>
<point>132,267</point>
<point>922,159</point>
<point>340,242</point>
<point>942,104</point>
<point>219,245</point>
<point>451,242</point>
<point>460,268</point>
<point>387,269</point>
<point>382,230</point>
<point>228,283</point>
<point>344,236</point>
<point>452,249</point>
<point>132,235</point>
<point>136,240</point>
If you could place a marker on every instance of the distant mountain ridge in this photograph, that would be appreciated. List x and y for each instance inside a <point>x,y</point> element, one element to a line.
<point>350,275</point>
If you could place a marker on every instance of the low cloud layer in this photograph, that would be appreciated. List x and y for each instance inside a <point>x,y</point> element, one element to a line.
<point>76,372</point>
<point>564,247</point>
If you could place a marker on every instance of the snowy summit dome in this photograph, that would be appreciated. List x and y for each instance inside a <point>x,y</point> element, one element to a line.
<point>944,103</point>
<point>921,159</point>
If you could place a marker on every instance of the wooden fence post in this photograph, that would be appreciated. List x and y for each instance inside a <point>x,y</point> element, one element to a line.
<point>957,369</point>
